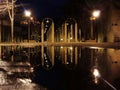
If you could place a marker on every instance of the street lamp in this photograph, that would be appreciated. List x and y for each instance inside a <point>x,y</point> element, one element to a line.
<point>28,15</point>
<point>95,14</point>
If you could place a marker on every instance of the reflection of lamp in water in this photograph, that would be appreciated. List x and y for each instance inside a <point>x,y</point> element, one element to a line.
<point>47,65</point>
<point>70,58</point>
<point>47,21</point>
<point>96,74</point>
<point>47,62</point>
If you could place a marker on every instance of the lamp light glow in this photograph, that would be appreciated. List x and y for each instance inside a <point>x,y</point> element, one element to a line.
<point>27,13</point>
<point>96,13</point>
<point>96,73</point>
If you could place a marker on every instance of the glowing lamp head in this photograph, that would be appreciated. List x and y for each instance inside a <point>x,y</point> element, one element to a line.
<point>27,13</point>
<point>96,13</point>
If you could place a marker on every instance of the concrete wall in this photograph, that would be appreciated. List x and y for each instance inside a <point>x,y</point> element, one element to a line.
<point>114,25</point>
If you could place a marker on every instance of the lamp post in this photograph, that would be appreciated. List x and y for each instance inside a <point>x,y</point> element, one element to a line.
<point>95,14</point>
<point>28,15</point>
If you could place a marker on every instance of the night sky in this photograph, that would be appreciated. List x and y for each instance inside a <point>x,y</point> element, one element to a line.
<point>58,9</point>
<point>55,9</point>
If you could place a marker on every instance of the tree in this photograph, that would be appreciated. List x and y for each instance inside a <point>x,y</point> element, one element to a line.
<point>3,7</point>
<point>8,6</point>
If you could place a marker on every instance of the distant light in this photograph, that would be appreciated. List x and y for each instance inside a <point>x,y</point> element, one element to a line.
<point>96,47</point>
<point>67,63</point>
<point>67,23</point>
<point>61,47</point>
<point>96,13</point>
<point>47,65</point>
<point>61,39</point>
<point>31,18</point>
<point>46,25</point>
<point>71,38</point>
<point>27,13</point>
<point>46,60</point>
<point>71,48</point>
<point>47,21</point>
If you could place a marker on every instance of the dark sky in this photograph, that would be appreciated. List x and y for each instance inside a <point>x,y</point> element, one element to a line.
<point>50,8</point>
<point>46,8</point>
<point>55,9</point>
<point>58,9</point>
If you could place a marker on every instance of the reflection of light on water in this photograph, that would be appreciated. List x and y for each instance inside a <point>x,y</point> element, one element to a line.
<point>67,63</point>
<point>96,47</point>
<point>96,75</point>
<point>70,62</point>
<point>109,84</point>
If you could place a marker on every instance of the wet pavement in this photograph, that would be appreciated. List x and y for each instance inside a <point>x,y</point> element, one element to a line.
<point>17,79</point>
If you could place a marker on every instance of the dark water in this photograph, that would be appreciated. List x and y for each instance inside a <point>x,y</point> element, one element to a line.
<point>59,68</point>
